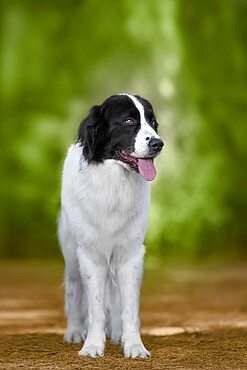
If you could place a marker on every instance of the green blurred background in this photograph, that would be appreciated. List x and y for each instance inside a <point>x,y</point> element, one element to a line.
<point>189,58</point>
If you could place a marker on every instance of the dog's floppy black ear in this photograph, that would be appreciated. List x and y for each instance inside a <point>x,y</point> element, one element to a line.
<point>91,134</point>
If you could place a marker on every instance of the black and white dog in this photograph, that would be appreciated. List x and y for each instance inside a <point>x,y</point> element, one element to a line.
<point>103,221</point>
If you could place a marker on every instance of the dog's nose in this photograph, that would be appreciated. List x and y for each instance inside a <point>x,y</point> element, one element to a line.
<point>156,144</point>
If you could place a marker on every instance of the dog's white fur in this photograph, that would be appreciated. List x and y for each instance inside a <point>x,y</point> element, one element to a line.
<point>102,226</point>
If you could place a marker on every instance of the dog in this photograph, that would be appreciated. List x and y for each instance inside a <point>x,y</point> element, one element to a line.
<point>103,221</point>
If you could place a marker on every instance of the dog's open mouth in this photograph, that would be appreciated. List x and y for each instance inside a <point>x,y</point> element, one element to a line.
<point>145,166</point>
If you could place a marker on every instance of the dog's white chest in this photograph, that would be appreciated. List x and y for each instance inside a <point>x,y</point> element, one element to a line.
<point>110,204</point>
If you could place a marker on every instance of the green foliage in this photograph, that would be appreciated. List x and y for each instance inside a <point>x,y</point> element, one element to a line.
<point>187,57</point>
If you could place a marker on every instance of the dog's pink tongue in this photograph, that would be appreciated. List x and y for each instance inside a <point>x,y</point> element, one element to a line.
<point>147,169</point>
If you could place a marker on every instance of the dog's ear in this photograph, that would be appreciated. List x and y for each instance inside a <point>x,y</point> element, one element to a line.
<point>91,134</point>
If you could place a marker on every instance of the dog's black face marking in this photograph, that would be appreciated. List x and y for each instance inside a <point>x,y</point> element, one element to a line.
<point>113,127</point>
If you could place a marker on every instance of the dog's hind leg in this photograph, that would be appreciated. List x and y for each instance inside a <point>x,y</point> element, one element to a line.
<point>75,298</point>
<point>76,329</point>
<point>115,319</point>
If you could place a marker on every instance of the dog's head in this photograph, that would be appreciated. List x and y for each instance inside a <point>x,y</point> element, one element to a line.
<point>123,128</point>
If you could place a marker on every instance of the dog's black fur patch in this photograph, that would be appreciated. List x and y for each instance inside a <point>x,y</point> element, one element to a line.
<point>105,130</point>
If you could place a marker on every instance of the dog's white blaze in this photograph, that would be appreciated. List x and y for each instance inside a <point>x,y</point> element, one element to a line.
<point>145,133</point>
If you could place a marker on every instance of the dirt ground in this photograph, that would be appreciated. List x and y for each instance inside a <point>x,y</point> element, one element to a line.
<point>192,318</point>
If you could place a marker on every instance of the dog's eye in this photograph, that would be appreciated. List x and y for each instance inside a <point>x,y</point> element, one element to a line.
<point>153,122</point>
<point>129,121</point>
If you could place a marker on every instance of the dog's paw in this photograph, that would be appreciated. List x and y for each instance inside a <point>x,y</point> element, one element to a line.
<point>91,351</point>
<point>116,339</point>
<point>136,350</point>
<point>74,336</point>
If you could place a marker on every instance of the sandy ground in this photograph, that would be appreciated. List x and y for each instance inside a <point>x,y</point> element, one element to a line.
<point>192,318</point>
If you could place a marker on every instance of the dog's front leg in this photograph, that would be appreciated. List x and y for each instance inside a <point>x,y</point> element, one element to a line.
<point>93,277</point>
<point>129,276</point>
